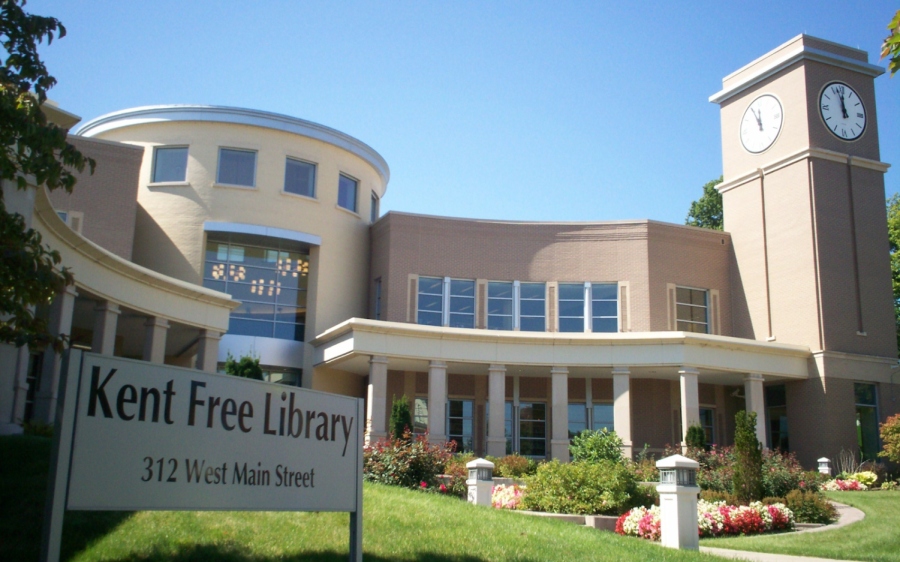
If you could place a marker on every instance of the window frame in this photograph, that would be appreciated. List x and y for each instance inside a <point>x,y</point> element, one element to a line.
<point>584,306</point>
<point>315,180</point>
<point>512,305</point>
<point>463,436</point>
<point>874,405</point>
<point>709,430</point>
<point>598,317</point>
<point>156,149</point>
<point>416,416</point>
<point>419,294</point>
<point>705,307</point>
<point>255,153</point>
<point>358,184</point>
<point>593,421</point>
<point>518,306</point>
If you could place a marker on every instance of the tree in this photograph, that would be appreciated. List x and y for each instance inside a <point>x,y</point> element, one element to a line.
<point>401,418</point>
<point>891,46</point>
<point>890,436</point>
<point>34,152</point>
<point>695,437</point>
<point>707,211</point>
<point>893,216</point>
<point>747,478</point>
<point>246,367</point>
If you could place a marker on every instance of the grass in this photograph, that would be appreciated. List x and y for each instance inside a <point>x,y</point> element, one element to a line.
<point>398,525</point>
<point>877,537</point>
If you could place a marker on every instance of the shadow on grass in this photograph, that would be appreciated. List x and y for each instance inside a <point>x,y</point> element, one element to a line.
<point>197,553</point>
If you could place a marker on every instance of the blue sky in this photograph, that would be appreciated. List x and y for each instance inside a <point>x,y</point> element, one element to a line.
<point>503,110</point>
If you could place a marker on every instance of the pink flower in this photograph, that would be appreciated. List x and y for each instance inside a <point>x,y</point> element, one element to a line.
<point>443,489</point>
<point>424,485</point>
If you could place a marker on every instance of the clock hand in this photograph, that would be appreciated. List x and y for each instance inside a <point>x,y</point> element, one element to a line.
<point>843,107</point>
<point>757,117</point>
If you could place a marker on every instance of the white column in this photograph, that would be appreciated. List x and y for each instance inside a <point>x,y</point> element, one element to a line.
<point>622,408</point>
<point>60,323</point>
<point>755,398</point>
<point>155,331</point>
<point>20,388</point>
<point>106,318</point>
<point>376,399</point>
<point>208,351</point>
<point>690,400</point>
<point>559,391</point>
<point>437,402</point>
<point>496,441</point>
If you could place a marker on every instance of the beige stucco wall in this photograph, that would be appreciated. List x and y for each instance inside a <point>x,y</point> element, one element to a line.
<point>644,255</point>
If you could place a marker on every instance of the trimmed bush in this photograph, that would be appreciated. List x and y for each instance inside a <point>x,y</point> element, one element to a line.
<point>810,507</point>
<point>713,496</point>
<point>645,496</point>
<point>401,418</point>
<point>746,480</point>
<point>582,488</point>
<point>512,466</point>
<point>595,446</point>
<point>695,437</point>
<point>406,462</point>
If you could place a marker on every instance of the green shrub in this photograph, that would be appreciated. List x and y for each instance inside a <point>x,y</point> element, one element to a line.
<point>604,487</point>
<point>512,466</point>
<point>458,474</point>
<point>401,418</point>
<point>746,480</point>
<point>594,446</point>
<point>644,496</point>
<point>715,496</point>
<point>781,473</point>
<point>812,480</point>
<point>695,437</point>
<point>406,462</point>
<point>773,500</point>
<point>810,507</point>
<point>37,428</point>
<point>644,467</point>
<point>246,367</point>
<point>890,436</point>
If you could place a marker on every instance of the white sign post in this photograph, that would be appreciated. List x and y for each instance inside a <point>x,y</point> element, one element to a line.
<point>132,435</point>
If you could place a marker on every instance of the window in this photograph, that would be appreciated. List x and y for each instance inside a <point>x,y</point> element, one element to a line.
<point>708,423</point>
<point>577,419</point>
<point>602,417</point>
<point>63,215</point>
<point>347,188</point>
<point>690,305</point>
<point>170,164</point>
<point>420,415</point>
<point>431,301</point>
<point>604,307</point>
<point>532,309</point>
<point>508,426</point>
<point>867,420</point>
<point>462,303</point>
<point>571,307</point>
<point>299,177</point>
<point>500,306</point>
<point>270,282</point>
<point>378,299</point>
<point>287,377</point>
<point>237,167</point>
<point>373,212</point>
<point>460,424</point>
<point>533,429</point>
<point>776,412</point>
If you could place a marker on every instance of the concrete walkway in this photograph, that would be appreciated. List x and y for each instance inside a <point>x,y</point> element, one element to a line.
<point>847,515</point>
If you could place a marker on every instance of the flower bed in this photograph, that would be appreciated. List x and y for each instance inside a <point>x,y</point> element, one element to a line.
<point>714,519</point>
<point>838,485</point>
<point>506,497</point>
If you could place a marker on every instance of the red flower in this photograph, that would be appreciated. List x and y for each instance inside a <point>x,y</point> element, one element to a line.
<point>443,489</point>
<point>424,485</point>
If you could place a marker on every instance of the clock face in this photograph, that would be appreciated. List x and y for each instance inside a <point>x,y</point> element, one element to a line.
<point>761,123</point>
<point>842,111</point>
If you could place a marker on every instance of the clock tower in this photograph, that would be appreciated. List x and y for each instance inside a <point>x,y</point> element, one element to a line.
<point>803,199</point>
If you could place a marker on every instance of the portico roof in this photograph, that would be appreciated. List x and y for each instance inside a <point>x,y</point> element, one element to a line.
<point>349,345</point>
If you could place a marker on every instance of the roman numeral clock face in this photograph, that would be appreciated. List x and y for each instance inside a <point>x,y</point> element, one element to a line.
<point>761,123</point>
<point>842,111</point>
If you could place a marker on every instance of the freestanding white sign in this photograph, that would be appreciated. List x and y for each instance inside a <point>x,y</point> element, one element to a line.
<point>132,435</point>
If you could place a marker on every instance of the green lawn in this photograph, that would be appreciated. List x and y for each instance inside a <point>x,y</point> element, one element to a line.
<point>877,537</point>
<point>398,525</point>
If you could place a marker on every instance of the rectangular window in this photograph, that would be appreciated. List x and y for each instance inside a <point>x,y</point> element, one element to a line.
<point>170,164</point>
<point>431,301</point>
<point>420,415</point>
<point>378,299</point>
<point>867,420</point>
<point>577,419</point>
<point>373,212</point>
<point>299,177</point>
<point>776,412</point>
<point>237,167</point>
<point>500,306</point>
<point>532,307</point>
<point>604,307</point>
<point>602,417</point>
<point>533,429</point>
<point>690,305</point>
<point>708,423</point>
<point>270,282</point>
<point>347,190</point>
<point>460,424</point>
<point>571,307</point>
<point>462,303</point>
<point>63,215</point>
<point>508,426</point>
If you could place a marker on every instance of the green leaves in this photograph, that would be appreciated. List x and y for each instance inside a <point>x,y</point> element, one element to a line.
<point>707,211</point>
<point>891,46</point>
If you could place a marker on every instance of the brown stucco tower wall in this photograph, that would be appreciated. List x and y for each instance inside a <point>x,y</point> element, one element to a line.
<point>810,261</point>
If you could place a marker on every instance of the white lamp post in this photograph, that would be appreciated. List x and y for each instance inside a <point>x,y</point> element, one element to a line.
<point>825,466</point>
<point>480,482</point>
<point>678,502</point>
